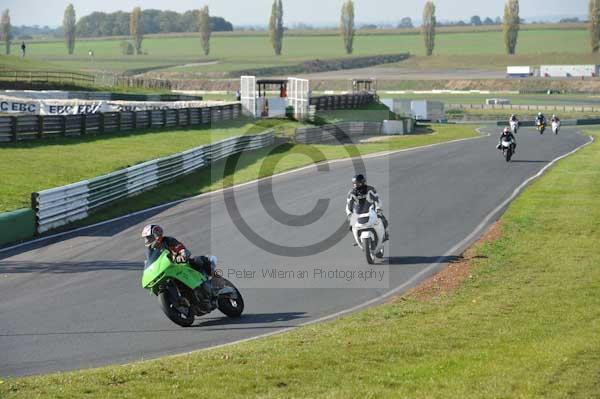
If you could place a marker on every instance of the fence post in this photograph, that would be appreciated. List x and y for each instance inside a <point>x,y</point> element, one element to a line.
<point>63,124</point>
<point>40,126</point>
<point>119,121</point>
<point>177,119</point>
<point>13,128</point>
<point>83,124</point>
<point>164,117</point>
<point>133,120</point>
<point>101,123</point>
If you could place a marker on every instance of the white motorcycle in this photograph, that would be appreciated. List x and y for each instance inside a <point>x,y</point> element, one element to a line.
<point>507,149</point>
<point>368,232</point>
<point>555,127</point>
<point>514,126</point>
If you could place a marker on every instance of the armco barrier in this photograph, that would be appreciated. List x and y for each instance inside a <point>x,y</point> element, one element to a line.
<point>59,206</point>
<point>343,132</point>
<point>31,127</point>
<point>344,101</point>
<point>17,225</point>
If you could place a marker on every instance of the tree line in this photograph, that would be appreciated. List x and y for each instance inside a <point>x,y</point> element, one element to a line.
<point>99,24</point>
<point>140,22</point>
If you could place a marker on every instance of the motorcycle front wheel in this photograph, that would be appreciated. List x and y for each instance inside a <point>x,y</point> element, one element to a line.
<point>508,153</point>
<point>366,242</point>
<point>175,309</point>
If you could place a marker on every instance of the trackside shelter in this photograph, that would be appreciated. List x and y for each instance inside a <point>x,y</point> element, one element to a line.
<point>269,98</point>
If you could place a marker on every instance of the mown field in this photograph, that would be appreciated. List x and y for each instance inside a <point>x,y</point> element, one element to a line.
<point>524,322</point>
<point>235,52</point>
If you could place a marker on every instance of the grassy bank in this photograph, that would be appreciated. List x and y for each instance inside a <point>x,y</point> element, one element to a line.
<point>42,164</point>
<point>524,323</point>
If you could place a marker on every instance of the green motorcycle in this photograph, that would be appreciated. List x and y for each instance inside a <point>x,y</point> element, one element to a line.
<point>185,293</point>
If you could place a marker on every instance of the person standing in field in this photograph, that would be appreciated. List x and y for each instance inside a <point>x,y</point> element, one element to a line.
<point>23,48</point>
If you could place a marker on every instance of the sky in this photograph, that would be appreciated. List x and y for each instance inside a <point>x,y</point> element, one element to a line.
<point>316,12</point>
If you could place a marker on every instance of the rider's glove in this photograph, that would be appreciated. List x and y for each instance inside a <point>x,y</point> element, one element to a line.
<point>182,256</point>
<point>379,211</point>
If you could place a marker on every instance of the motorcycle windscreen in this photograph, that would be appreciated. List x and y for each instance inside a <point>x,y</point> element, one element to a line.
<point>157,263</point>
<point>163,268</point>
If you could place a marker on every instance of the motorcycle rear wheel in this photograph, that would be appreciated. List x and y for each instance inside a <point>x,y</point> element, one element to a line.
<point>229,306</point>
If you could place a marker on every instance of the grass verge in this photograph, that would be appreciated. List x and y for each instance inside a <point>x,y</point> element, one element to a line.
<point>523,324</point>
<point>42,164</point>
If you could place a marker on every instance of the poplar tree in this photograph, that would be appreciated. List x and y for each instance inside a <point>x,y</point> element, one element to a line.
<point>594,25</point>
<point>511,25</point>
<point>69,28</point>
<point>136,29</point>
<point>5,29</point>
<point>276,26</point>
<point>428,27</point>
<point>347,25</point>
<point>205,28</point>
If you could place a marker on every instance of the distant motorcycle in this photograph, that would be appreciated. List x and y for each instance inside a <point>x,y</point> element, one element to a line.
<point>541,127</point>
<point>368,232</point>
<point>185,293</point>
<point>514,126</point>
<point>507,147</point>
<point>555,127</point>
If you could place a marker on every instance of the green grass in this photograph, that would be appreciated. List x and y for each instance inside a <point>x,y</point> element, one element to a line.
<point>42,164</point>
<point>13,62</point>
<point>258,163</point>
<point>235,52</point>
<point>525,324</point>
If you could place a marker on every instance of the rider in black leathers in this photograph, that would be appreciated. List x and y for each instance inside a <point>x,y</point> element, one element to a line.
<point>507,136</point>
<point>362,192</point>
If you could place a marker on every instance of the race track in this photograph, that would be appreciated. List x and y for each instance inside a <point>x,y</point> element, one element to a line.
<point>75,301</point>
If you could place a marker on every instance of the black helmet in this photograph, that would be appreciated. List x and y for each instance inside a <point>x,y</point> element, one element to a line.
<point>359,181</point>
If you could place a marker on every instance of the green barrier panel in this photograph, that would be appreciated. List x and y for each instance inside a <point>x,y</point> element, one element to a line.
<point>17,225</point>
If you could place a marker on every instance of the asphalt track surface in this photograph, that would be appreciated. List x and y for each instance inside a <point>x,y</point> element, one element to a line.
<point>75,301</point>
